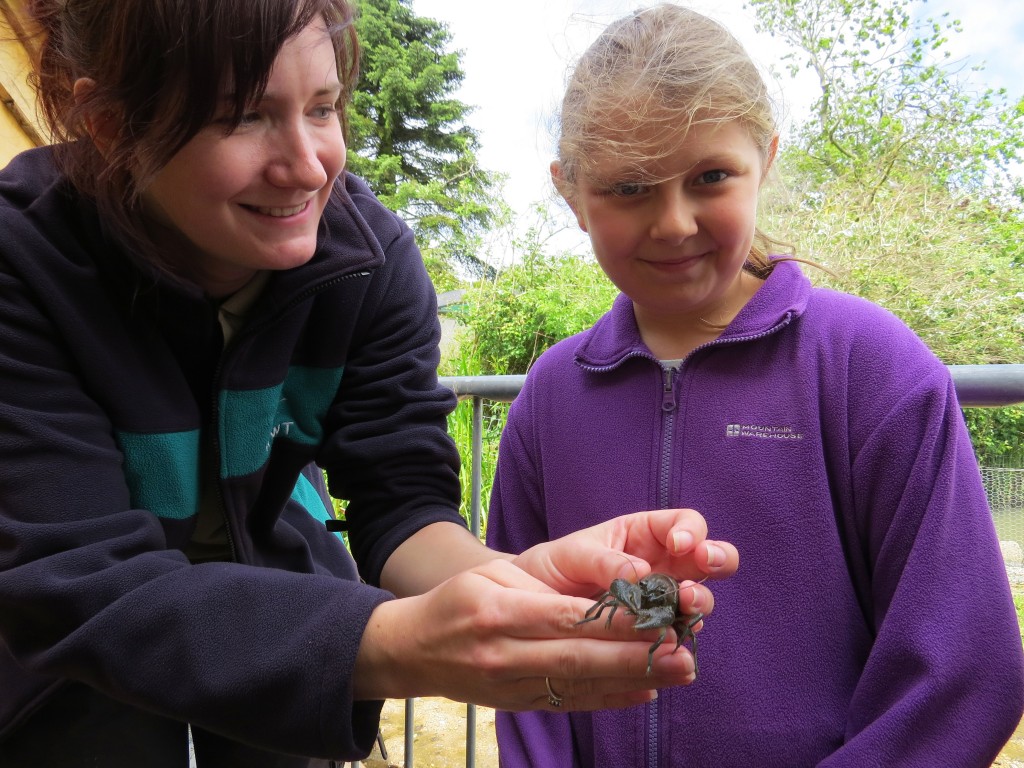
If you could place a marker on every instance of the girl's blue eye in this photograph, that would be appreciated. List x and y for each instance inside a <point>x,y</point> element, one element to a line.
<point>249,117</point>
<point>627,189</point>
<point>711,177</point>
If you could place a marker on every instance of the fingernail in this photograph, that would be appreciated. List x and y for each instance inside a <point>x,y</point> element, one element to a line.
<point>682,541</point>
<point>716,556</point>
<point>696,603</point>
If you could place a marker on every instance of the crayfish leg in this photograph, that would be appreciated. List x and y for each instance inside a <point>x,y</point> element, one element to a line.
<point>607,600</point>
<point>684,630</point>
<point>654,647</point>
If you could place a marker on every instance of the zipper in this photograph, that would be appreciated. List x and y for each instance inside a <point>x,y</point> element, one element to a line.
<point>668,410</point>
<point>249,330</point>
<point>668,419</point>
<point>215,448</point>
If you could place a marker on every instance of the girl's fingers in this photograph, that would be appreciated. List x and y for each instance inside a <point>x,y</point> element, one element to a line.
<point>720,558</point>
<point>672,541</point>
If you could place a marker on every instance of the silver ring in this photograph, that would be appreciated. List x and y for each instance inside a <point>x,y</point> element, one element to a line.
<point>553,698</point>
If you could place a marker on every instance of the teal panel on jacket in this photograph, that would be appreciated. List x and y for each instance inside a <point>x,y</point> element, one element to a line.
<point>311,500</point>
<point>250,420</point>
<point>306,495</point>
<point>162,472</point>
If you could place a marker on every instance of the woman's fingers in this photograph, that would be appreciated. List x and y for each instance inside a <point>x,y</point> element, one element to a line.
<point>598,664</point>
<point>581,686</point>
<point>545,613</point>
<point>494,635</point>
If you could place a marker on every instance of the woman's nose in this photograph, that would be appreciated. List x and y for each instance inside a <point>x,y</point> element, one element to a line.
<point>298,164</point>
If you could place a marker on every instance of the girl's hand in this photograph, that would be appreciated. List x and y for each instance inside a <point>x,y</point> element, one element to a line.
<point>671,541</point>
<point>492,634</point>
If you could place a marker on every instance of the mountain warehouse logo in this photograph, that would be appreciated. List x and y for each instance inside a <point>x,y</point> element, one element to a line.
<point>762,432</point>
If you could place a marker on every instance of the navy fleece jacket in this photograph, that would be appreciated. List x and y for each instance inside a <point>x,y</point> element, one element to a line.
<point>110,379</point>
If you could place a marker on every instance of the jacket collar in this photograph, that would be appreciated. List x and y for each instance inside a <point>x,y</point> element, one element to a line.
<point>782,298</point>
<point>346,242</point>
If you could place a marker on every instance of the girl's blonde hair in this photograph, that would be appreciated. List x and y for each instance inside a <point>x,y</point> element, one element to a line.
<point>653,74</point>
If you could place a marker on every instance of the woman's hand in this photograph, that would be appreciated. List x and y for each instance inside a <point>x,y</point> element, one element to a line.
<point>671,541</point>
<point>502,630</point>
<point>491,635</point>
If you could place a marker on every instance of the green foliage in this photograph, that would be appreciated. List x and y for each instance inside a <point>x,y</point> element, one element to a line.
<point>950,266</point>
<point>409,140</point>
<point>891,99</point>
<point>531,305</point>
<point>996,434</point>
<point>901,184</point>
<point>465,361</point>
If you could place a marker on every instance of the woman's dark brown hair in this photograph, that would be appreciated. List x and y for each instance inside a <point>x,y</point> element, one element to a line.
<point>160,72</point>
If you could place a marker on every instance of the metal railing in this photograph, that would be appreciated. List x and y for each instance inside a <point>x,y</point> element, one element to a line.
<point>977,386</point>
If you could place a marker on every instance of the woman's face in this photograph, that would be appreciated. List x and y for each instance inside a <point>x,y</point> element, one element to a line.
<point>251,200</point>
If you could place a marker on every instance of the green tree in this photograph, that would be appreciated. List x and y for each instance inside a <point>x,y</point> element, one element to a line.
<point>529,306</point>
<point>410,141</point>
<point>892,101</point>
<point>901,182</point>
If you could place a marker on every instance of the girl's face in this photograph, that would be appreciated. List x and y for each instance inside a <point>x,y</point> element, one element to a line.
<point>674,236</point>
<point>251,200</point>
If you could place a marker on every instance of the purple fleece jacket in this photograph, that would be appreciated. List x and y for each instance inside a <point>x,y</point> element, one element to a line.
<point>870,622</point>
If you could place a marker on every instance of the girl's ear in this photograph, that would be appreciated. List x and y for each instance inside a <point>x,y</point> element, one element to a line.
<point>101,127</point>
<point>773,149</point>
<point>561,185</point>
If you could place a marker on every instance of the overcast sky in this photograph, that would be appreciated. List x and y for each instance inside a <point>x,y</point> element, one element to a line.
<point>516,55</point>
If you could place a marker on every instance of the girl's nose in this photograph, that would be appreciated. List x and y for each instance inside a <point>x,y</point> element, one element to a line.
<point>675,218</point>
<point>298,164</point>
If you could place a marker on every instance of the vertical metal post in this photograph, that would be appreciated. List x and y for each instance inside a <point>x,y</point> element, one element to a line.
<point>478,465</point>
<point>410,727</point>
<point>474,526</point>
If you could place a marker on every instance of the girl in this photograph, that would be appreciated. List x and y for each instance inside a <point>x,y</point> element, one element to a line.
<point>812,429</point>
<point>199,310</point>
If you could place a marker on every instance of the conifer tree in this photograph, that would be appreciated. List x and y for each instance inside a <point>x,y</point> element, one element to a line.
<point>409,138</point>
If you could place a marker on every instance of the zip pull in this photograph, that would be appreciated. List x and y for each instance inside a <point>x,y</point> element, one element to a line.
<point>668,401</point>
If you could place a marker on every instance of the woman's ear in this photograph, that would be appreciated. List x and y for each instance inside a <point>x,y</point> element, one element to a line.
<point>562,186</point>
<point>100,126</point>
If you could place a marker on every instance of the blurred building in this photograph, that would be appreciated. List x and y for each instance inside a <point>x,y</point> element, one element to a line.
<point>20,126</point>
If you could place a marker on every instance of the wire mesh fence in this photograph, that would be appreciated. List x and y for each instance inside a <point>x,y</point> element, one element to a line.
<point>1005,489</point>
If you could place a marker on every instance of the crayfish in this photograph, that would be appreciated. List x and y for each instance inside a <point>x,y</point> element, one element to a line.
<point>654,602</point>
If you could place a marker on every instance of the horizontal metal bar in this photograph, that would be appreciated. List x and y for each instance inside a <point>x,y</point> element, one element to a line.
<point>977,386</point>
<point>988,386</point>
<point>503,389</point>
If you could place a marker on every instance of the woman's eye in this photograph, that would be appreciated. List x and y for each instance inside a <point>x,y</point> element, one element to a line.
<point>249,118</point>
<point>325,111</point>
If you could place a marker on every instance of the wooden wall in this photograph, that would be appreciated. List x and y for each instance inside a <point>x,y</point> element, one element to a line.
<point>20,127</point>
